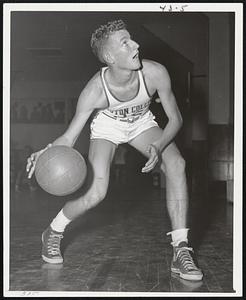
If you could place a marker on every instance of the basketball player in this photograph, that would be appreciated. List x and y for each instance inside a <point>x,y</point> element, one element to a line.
<point>121,93</point>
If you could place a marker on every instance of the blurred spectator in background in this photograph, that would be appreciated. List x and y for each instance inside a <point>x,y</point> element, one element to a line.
<point>39,110</point>
<point>23,118</point>
<point>50,118</point>
<point>43,118</point>
<point>14,112</point>
<point>34,115</point>
<point>60,116</point>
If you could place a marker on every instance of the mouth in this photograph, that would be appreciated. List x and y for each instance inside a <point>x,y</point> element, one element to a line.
<point>136,56</point>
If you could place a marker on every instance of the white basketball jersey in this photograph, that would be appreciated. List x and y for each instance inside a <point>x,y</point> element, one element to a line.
<point>139,105</point>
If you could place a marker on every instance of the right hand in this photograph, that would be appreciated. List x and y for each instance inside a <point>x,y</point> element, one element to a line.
<point>153,158</point>
<point>32,160</point>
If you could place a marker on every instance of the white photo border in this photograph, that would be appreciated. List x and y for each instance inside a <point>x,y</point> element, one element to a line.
<point>237,8</point>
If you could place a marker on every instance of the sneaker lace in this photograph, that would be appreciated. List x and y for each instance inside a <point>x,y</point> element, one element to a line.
<point>54,243</point>
<point>185,258</point>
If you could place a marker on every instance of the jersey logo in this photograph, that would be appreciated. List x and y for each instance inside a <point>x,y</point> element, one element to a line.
<point>132,111</point>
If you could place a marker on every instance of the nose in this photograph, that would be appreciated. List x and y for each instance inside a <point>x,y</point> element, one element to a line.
<point>135,45</point>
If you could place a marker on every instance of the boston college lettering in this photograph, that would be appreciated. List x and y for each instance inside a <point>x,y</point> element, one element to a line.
<point>131,111</point>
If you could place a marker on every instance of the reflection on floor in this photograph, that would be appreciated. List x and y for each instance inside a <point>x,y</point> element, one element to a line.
<point>118,246</point>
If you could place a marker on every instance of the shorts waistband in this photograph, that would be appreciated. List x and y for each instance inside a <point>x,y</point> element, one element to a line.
<point>126,119</point>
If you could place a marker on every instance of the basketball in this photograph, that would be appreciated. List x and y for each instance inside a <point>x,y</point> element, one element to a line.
<point>60,170</point>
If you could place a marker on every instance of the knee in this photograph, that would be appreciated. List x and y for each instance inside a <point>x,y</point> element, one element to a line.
<point>94,198</point>
<point>175,166</point>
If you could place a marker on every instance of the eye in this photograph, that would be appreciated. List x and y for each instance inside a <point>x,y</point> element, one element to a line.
<point>125,42</point>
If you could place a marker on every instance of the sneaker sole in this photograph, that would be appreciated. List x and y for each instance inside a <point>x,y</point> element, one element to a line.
<point>51,260</point>
<point>186,276</point>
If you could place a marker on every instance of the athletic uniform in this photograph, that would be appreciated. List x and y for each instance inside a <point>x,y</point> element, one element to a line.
<point>122,121</point>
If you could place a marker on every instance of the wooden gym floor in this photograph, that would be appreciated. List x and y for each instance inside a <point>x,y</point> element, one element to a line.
<point>119,246</point>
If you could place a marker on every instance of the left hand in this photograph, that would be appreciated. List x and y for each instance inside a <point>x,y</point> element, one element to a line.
<point>153,158</point>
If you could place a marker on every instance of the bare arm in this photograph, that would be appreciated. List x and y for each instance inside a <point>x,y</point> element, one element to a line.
<point>170,107</point>
<point>85,107</point>
<point>160,80</point>
<point>89,99</point>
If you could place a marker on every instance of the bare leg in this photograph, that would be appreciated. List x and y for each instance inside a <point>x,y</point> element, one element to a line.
<point>177,203</point>
<point>100,157</point>
<point>177,195</point>
<point>173,165</point>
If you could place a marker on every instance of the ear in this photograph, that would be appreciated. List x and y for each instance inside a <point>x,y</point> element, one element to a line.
<point>108,57</point>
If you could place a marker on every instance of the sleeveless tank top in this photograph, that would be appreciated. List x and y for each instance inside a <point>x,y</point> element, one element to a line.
<point>137,106</point>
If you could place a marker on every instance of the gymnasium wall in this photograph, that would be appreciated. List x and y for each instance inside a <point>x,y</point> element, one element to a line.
<point>220,68</point>
<point>221,101</point>
<point>188,34</point>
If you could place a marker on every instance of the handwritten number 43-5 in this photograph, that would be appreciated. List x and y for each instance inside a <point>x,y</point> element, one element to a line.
<point>170,8</point>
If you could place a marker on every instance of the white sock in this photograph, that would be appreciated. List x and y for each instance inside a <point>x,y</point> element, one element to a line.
<point>179,235</point>
<point>60,222</point>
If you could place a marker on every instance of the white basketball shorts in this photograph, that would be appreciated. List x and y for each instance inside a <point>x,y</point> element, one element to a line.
<point>118,131</point>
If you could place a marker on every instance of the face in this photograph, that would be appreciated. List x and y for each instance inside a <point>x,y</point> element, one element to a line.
<point>122,51</point>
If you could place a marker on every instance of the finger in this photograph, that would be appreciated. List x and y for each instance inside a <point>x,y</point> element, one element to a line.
<point>151,160</point>
<point>149,168</point>
<point>31,172</point>
<point>32,158</point>
<point>32,168</point>
<point>150,165</point>
<point>29,163</point>
<point>153,154</point>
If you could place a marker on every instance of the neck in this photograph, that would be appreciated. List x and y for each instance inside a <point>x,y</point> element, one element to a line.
<point>120,77</point>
